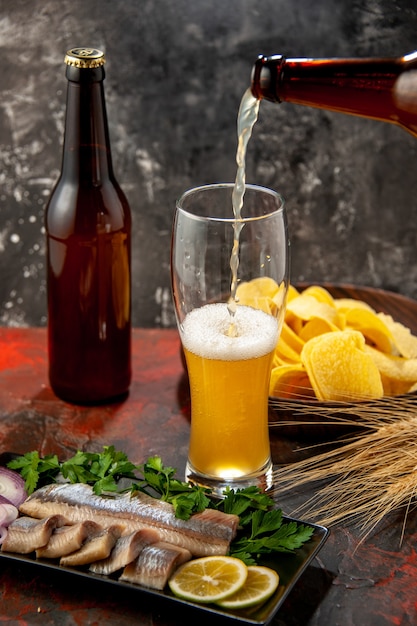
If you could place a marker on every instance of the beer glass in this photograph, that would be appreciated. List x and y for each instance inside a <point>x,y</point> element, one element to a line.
<point>229,345</point>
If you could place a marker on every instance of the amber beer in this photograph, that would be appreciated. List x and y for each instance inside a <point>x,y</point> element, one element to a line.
<point>229,379</point>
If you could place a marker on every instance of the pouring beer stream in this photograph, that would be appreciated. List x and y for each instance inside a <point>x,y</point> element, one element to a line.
<point>247,116</point>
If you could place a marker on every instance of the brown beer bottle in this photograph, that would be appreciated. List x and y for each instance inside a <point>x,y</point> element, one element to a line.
<point>381,88</point>
<point>88,227</point>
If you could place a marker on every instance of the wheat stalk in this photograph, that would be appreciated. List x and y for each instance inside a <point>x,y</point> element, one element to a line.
<point>368,475</point>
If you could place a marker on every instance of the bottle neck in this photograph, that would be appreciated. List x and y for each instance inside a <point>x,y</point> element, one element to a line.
<point>86,154</point>
<point>365,87</point>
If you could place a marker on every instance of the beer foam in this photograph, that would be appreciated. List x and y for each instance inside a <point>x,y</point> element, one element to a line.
<point>204,332</point>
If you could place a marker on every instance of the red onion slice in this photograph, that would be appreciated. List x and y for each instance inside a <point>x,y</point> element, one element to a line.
<point>8,512</point>
<point>12,486</point>
<point>3,534</point>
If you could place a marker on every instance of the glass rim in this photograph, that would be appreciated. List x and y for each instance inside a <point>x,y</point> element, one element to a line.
<point>279,208</point>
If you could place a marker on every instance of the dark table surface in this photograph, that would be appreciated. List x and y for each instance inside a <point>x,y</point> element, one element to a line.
<point>348,583</point>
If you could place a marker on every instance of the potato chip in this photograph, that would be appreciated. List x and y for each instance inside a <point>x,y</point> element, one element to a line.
<point>347,304</point>
<point>280,297</point>
<point>295,323</point>
<point>314,327</point>
<point>339,368</point>
<point>292,293</point>
<point>394,367</point>
<point>320,294</point>
<point>291,338</point>
<point>264,286</point>
<point>306,307</point>
<point>404,341</point>
<point>284,353</point>
<point>413,388</point>
<point>372,328</point>
<point>263,303</point>
<point>398,375</point>
<point>395,387</point>
<point>261,293</point>
<point>290,381</point>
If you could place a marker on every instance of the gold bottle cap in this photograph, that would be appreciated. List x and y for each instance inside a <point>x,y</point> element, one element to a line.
<point>85,58</point>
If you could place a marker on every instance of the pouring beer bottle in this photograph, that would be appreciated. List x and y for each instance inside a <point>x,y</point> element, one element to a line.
<point>88,228</point>
<point>378,88</point>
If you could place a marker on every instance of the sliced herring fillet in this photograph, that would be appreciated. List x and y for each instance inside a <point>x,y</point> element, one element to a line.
<point>26,534</point>
<point>97,546</point>
<point>125,550</point>
<point>206,533</point>
<point>67,539</point>
<point>155,564</point>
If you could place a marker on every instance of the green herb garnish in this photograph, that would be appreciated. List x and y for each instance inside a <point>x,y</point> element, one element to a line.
<point>243,502</point>
<point>266,533</point>
<point>36,470</point>
<point>185,498</point>
<point>102,470</point>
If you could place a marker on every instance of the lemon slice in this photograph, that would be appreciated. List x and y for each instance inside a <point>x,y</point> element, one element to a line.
<point>258,587</point>
<point>209,579</point>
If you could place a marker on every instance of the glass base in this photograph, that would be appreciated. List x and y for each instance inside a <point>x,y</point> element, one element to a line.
<point>261,478</point>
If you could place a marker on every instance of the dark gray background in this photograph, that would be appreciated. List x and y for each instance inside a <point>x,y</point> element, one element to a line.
<point>176,72</point>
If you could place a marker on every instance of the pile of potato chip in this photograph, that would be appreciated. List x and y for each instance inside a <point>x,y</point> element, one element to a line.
<point>334,349</point>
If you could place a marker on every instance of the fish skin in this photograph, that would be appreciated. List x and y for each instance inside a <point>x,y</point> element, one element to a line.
<point>204,534</point>
<point>67,539</point>
<point>155,565</point>
<point>26,534</point>
<point>98,546</point>
<point>126,550</point>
